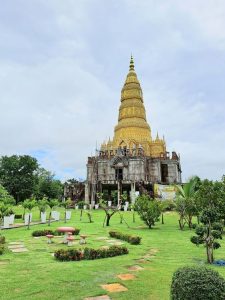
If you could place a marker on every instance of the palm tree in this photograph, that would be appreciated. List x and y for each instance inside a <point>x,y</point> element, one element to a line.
<point>66,204</point>
<point>185,201</point>
<point>42,205</point>
<point>29,204</point>
<point>52,203</point>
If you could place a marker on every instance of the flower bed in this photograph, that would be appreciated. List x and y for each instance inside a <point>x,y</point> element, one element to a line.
<point>89,253</point>
<point>132,239</point>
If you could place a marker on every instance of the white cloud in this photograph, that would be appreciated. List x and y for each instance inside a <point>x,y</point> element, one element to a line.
<point>63,63</point>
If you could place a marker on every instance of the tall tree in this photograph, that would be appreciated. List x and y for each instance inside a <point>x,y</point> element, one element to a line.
<point>48,186</point>
<point>18,175</point>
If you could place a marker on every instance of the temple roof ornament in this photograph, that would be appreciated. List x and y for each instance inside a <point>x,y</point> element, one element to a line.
<point>131,63</point>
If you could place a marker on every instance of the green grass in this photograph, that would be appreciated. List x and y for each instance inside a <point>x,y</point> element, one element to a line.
<point>37,275</point>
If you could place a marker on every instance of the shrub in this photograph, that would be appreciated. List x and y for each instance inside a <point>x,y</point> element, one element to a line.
<point>197,283</point>
<point>2,248</point>
<point>18,216</point>
<point>76,232</point>
<point>2,239</point>
<point>89,253</point>
<point>148,209</point>
<point>43,232</point>
<point>68,255</point>
<point>132,239</point>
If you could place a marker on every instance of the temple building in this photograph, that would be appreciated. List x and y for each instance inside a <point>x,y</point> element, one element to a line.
<point>132,161</point>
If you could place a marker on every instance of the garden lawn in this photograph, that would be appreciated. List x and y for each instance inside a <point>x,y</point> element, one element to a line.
<point>37,275</point>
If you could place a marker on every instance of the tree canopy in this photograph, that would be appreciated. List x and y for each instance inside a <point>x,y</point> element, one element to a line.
<point>18,175</point>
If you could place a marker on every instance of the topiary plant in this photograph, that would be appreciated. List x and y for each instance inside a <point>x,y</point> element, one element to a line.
<point>197,283</point>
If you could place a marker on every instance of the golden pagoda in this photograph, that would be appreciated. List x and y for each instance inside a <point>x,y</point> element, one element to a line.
<point>133,131</point>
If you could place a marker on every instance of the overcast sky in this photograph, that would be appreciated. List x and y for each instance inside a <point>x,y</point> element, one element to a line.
<point>63,64</point>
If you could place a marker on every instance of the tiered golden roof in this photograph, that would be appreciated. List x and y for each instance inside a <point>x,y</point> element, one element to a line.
<point>132,130</point>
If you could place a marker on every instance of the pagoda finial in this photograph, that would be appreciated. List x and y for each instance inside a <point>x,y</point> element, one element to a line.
<point>131,63</point>
<point>157,136</point>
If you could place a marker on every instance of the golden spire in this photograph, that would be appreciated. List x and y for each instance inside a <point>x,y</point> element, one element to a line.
<point>131,63</point>
<point>132,128</point>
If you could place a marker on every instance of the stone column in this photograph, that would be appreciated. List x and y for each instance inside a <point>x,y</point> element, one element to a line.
<point>119,193</point>
<point>87,198</point>
<point>132,193</point>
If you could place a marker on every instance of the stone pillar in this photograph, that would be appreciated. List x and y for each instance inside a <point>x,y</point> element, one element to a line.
<point>119,193</point>
<point>87,190</point>
<point>132,193</point>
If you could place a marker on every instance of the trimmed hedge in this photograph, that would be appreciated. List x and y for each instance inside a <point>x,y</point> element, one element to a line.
<point>76,232</point>
<point>132,239</point>
<point>68,254</point>
<point>2,239</point>
<point>89,253</point>
<point>2,249</point>
<point>18,216</point>
<point>197,283</point>
<point>44,232</point>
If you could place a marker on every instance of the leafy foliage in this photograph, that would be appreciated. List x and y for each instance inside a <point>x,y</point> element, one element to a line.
<point>18,175</point>
<point>197,283</point>
<point>186,202</point>
<point>47,185</point>
<point>89,253</point>
<point>132,239</point>
<point>208,233</point>
<point>148,209</point>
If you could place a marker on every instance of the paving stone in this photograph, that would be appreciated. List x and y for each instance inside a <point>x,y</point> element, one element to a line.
<point>143,261</point>
<point>118,243</point>
<point>102,238</point>
<point>4,261</point>
<point>105,247</point>
<point>127,276</point>
<point>20,250</point>
<point>135,268</point>
<point>114,287</point>
<point>15,247</point>
<point>111,241</point>
<point>103,297</point>
<point>15,243</point>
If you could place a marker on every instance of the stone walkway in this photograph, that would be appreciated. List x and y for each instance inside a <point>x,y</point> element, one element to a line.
<point>117,287</point>
<point>17,247</point>
<point>103,297</point>
<point>114,287</point>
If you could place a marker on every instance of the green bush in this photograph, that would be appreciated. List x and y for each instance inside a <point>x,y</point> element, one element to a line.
<point>44,232</point>
<point>18,216</point>
<point>76,232</point>
<point>197,283</point>
<point>2,248</point>
<point>89,253</point>
<point>132,239</point>
<point>68,255</point>
<point>2,239</point>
